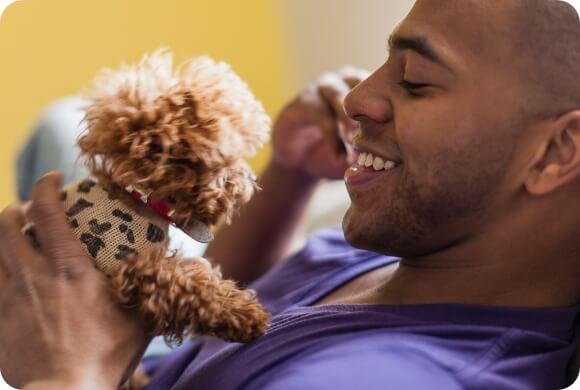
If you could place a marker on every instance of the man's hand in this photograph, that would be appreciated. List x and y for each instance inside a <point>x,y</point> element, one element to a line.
<point>313,133</point>
<point>59,328</point>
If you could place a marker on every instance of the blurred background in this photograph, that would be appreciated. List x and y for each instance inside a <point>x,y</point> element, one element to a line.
<point>53,49</point>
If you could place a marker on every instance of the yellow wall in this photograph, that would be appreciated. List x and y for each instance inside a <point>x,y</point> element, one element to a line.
<point>50,49</point>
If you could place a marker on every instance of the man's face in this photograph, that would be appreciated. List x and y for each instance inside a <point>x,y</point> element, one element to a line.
<point>447,108</point>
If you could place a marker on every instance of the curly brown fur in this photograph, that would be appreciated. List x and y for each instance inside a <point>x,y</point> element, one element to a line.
<point>180,136</point>
<point>181,298</point>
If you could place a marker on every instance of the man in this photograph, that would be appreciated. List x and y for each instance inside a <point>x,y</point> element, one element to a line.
<point>467,169</point>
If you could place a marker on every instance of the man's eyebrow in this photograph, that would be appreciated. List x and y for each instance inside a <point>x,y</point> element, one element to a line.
<point>419,45</point>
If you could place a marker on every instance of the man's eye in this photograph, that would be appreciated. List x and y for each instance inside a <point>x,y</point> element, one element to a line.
<point>412,87</point>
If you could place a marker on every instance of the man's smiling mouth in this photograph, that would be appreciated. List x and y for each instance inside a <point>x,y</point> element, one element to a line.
<point>368,160</point>
<point>367,168</point>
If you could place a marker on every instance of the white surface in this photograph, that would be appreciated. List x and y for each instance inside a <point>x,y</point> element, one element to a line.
<point>574,3</point>
<point>4,4</point>
<point>4,385</point>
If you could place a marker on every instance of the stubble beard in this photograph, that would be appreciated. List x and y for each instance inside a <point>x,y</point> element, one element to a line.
<point>421,207</point>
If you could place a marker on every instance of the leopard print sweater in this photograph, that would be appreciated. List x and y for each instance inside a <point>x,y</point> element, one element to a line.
<point>111,225</point>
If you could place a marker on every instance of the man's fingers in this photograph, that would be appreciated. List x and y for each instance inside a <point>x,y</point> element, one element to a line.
<point>335,98</point>
<point>55,237</point>
<point>15,249</point>
<point>3,273</point>
<point>332,90</point>
<point>353,75</point>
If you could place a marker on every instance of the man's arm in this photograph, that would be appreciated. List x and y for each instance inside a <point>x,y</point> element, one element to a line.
<point>308,144</point>
<point>266,229</point>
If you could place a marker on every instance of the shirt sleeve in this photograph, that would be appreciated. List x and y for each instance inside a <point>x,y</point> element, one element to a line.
<point>349,368</point>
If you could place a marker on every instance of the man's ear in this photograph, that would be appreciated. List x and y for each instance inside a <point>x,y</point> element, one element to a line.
<point>557,160</point>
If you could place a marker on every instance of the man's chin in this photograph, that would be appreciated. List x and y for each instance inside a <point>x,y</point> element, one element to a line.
<point>359,239</point>
<point>355,233</point>
<point>388,240</point>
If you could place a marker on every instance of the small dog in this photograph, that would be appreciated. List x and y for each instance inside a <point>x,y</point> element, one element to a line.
<point>167,147</point>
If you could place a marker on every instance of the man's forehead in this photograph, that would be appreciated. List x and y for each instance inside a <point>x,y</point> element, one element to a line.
<point>536,42</point>
<point>490,12</point>
<point>482,28</point>
<point>464,29</point>
<point>464,13</point>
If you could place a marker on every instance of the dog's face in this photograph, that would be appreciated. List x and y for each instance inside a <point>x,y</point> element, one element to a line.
<point>177,138</point>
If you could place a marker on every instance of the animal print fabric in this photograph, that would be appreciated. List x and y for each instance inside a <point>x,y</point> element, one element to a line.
<point>108,228</point>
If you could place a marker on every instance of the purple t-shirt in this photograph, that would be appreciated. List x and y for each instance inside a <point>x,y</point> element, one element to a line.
<point>345,347</point>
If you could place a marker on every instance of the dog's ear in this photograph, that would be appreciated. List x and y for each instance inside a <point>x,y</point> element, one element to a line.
<point>224,191</point>
<point>176,137</point>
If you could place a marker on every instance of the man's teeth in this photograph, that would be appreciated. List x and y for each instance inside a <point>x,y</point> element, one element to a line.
<point>389,165</point>
<point>377,163</point>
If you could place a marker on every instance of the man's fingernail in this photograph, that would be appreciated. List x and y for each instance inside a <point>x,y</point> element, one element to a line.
<point>54,175</point>
<point>351,155</point>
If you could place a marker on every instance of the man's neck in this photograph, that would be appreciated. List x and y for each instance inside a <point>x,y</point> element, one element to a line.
<point>516,273</point>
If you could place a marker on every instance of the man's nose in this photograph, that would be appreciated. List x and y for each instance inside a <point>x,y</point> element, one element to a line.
<point>369,101</point>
